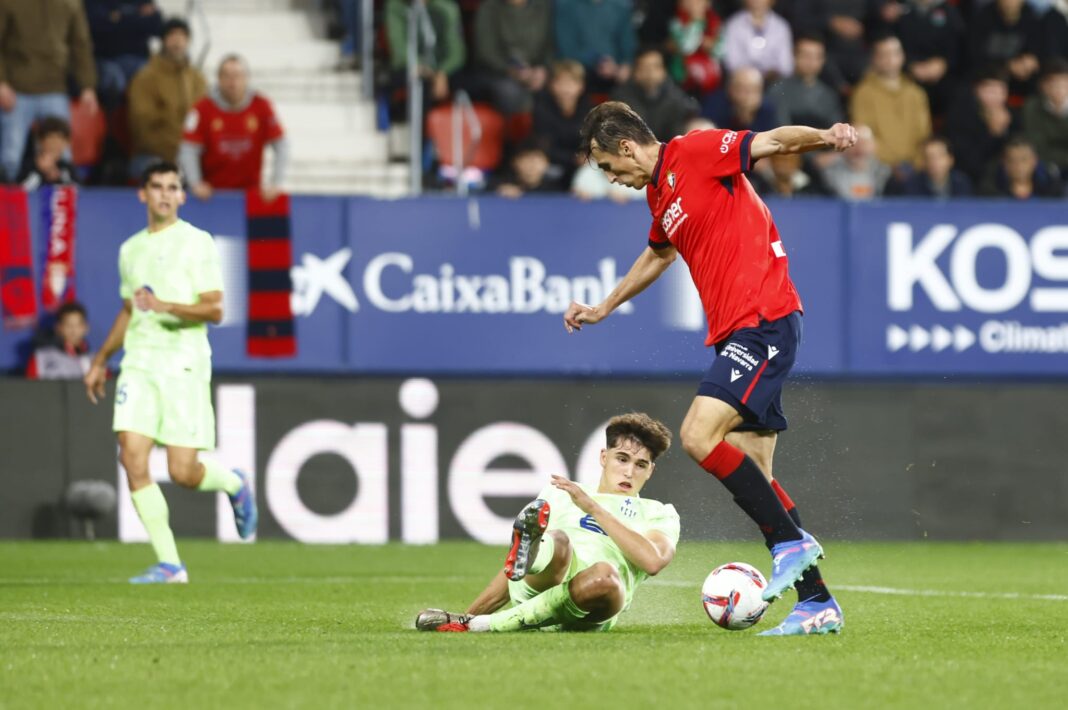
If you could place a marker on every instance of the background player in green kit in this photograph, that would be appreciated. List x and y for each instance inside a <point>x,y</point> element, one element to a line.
<point>577,555</point>
<point>171,289</point>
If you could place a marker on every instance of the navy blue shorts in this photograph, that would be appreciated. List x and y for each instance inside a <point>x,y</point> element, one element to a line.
<point>750,368</point>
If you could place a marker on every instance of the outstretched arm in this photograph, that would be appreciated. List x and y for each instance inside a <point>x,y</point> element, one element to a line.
<point>492,598</point>
<point>802,139</point>
<point>645,271</point>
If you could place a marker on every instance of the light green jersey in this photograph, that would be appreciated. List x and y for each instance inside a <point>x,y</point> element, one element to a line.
<point>590,544</point>
<point>178,263</point>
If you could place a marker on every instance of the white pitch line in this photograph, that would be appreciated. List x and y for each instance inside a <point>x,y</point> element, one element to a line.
<point>431,579</point>
<point>362,579</point>
<point>896,591</point>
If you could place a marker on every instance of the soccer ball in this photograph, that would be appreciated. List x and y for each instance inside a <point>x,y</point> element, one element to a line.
<point>731,595</point>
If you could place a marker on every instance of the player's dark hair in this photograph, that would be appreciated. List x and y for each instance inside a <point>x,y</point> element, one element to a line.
<point>608,124</point>
<point>640,427</point>
<point>160,168</point>
<point>50,125</point>
<point>68,308</point>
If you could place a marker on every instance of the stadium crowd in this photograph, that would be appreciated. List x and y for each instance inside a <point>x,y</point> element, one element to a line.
<point>952,98</point>
<point>962,97</point>
<point>90,61</point>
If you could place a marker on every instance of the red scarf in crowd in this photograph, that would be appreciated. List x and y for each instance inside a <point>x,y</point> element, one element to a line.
<point>270,316</point>
<point>16,260</point>
<point>59,213</point>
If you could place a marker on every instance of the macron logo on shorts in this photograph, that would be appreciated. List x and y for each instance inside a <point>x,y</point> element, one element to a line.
<point>772,351</point>
<point>735,375</point>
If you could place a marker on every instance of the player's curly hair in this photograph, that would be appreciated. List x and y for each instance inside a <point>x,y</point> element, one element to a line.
<point>639,426</point>
<point>608,124</point>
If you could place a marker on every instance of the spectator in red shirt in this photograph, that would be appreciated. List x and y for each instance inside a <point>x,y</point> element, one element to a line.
<point>225,134</point>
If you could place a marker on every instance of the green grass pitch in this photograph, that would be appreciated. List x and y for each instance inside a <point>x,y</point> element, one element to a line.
<point>286,625</point>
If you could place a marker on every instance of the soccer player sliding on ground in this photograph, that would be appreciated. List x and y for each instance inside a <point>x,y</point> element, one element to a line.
<point>704,208</point>
<point>171,288</point>
<point>578,555</point>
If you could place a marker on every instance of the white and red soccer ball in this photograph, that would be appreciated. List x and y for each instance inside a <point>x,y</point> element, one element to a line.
<point>732,595</point>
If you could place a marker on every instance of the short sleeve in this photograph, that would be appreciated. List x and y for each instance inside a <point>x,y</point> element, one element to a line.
<point>272,129</point>
<point>207,267</point>
<point>667,522</point>
<point>193,126</point>
<point>126,289</point>
<point>720,153</point>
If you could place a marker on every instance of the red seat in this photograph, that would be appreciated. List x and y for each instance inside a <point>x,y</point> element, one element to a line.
<point>486,155</point>
<point>87,132</point>
<point>519,126</point>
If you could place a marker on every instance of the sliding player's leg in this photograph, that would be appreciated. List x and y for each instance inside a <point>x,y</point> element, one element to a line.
<point>588,601</point>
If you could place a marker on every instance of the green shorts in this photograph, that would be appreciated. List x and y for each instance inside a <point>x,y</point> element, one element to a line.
<point>172,410</point>
<point>520,592</point>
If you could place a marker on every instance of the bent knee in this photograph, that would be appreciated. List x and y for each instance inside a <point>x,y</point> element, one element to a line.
<point>561,544</point>
<point>698,443</point>
<point>185,475</point>
<point>604,582</point>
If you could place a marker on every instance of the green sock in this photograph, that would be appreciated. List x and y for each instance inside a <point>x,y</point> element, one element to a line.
<point>544,556</point>
<point>553,606</point>
<point>218,478</point>
<point>152,509</point>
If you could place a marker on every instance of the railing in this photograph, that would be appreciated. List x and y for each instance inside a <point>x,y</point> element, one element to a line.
<point>367,47</point>
<point>463,111</point>
<point>195,9</point>
<point>419,27</point>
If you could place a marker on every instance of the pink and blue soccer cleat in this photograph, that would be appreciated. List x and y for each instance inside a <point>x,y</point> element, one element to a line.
<point>810,617</point>
<point>162,573</point>
<point>790,560</point>
<point>244,503</point>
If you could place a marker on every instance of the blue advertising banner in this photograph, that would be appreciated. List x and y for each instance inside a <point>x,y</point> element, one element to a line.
<point>979,288</point>
<point>446,286</point>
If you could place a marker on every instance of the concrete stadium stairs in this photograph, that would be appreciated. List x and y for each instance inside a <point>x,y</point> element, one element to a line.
<point>335,147</point>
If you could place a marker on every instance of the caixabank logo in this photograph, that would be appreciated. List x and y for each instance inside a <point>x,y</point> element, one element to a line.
<point>983,291</point>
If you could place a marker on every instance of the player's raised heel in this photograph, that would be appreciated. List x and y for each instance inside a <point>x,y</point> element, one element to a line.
<point>162,573</point>
<point>527,530</point>
<point>790,560</point>
<point>246,515</point>
<point>811,618</point>
<point>439,620</point>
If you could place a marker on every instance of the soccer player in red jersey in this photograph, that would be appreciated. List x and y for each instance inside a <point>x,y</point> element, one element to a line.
<point>704,208</point>
<point>225,134</point>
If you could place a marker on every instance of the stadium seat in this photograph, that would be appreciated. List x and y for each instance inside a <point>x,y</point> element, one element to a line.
<point>87,132</point>
<point>519,126</point>
<point>486,155</point>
